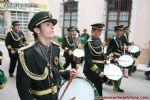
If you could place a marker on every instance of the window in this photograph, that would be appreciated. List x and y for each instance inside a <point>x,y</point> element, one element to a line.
<point>118,13</point>
<point>70,15</point>
<point>23,17</point>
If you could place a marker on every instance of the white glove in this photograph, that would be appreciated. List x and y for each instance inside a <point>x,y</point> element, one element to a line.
<point>101,74</point>
<point>70,52</point>
<point>12,51</point>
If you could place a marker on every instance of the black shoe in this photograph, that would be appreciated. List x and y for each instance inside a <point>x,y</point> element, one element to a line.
<point>10,75</point>
<point>147,76</point>
<point>120,90</point>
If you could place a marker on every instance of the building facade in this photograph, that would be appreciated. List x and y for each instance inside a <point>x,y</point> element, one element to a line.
<point>21,10</point>
<point>81,14</point>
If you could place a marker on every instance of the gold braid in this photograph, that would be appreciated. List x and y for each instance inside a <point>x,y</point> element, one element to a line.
<point>98,53</point>
<point>28,72</point>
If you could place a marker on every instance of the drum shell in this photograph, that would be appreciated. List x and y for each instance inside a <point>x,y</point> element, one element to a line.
<point>74,89</point>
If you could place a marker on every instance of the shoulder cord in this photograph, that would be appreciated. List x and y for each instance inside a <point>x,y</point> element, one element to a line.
<point>73,44</point>
<point>14,37</point>
<point>94,50</point>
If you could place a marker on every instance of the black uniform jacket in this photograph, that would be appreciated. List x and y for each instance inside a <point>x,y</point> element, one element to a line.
<point>14,42</point>
<point>124,40</point>
<point>114,47</point>
<point>69,43</point>
<point>34,74</point>
<point>94,57</point>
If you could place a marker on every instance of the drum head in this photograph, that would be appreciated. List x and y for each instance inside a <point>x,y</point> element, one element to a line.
<point>79,89</point>
<point>112,71</point>
<point>133,49</point>
<point>78,53</point>
<point>125,60</point>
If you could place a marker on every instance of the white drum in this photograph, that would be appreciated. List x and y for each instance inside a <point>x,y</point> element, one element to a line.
<point>79,89</point>
<point>112,71</point>
<point>133,49</point>
<point>125,60</point>
<point>78,53</point>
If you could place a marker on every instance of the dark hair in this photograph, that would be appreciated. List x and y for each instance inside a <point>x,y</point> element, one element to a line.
<point>35,34</point>
<point>93,29</point>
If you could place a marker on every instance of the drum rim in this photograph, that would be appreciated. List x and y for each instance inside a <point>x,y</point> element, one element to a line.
<point>135,45</point>
<point>116,66</point>
<point>75,78</point>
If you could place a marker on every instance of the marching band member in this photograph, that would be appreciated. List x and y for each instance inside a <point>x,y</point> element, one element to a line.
<point>14,41</point>
<point>69,44</point>
<point>95,58</point>
<point>125,42</point>
<point>38,73</point>
<point>114,49</point>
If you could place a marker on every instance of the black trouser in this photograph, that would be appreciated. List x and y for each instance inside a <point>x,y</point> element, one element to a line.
<point>13,61</point>
<point>69,59</point>
<point>97,83</point>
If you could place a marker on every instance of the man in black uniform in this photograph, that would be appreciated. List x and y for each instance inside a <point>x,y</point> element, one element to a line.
<point>115,50</point>
<point>124,37</point>
<point>125,43</point>
<point>69,44</point>
<point>38,73</point>
<point>14,40</point>
<point>95,58</point>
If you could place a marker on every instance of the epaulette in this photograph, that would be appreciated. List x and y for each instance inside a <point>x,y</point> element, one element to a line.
<point>26,47</point>
<point>53,42</point>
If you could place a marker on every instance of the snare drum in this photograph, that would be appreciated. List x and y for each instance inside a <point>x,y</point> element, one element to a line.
<point>112,71</point>
<point>125,60</point>
<point>79,89</point>
<point>134,50</point>
<point>78,55</point>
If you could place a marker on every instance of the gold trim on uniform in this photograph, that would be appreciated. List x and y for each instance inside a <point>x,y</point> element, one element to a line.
<point>52,90</point>
<point>27,71</point>
<point>56,61</point>
<point>61,71</point>
<point>97,71</point>
<point>98,53</point>
<point>14,37</point>
<point>98,61</point>
<point>9,47</point>
<point>94,68</point>
<point>73,44</point>
<point>41,20</point>
<point>115,53</point>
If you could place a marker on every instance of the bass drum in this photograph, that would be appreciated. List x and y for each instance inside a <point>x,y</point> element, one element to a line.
<point>112,71</point>
<point>79,89</point>
<point>134,50</point>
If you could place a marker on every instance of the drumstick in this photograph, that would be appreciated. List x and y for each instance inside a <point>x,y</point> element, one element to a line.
<point>68,84</point>
<point>123,60</point>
